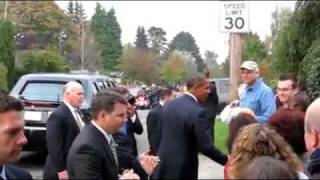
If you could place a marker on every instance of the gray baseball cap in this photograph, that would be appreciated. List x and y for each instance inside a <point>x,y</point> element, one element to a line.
<point>250,65</point>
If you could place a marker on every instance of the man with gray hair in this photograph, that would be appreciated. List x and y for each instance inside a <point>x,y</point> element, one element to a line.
<point>63,126</point>
<point>312,138</point>
<point>256,96</point>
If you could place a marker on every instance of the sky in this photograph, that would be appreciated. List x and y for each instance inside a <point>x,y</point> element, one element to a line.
<point>200,18</point>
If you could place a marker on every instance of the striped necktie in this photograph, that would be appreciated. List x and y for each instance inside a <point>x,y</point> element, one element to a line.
<point>113,146</point>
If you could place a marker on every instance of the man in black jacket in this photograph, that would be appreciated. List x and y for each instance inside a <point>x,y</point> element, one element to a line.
<point>12,138</point>
<point>153,120</point>
<point>312,139</point>
<point>184,133</point>
<point>126,142</point>
<point>93,153</point>
<point>211,104</point>
<point>63,126</point>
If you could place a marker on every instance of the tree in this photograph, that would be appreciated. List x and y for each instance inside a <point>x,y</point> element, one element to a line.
<point>280,18</point>
<point>42,61</point>
<point>141,39</point>
<point>3,77</point>
<point>107,34</point>
<point>7,50</point>
<point>184,41</point>
<point>70,8</point>
<point>179,65</point>
<point>79,12</point>
<point>157,40</point>
<point>253,48</point>
<point>139,65</point>
<point>211,59</point>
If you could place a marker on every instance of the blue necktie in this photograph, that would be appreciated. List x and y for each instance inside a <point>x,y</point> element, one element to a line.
<point>124,128</point>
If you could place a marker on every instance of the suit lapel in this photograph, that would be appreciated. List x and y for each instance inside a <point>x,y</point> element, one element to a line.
<point>10,174</point>
<point>102,140</point>
<point>70,117</point>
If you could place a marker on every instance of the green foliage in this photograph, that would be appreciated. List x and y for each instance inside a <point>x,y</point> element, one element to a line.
<point>108,36</point>
<point>139,65</point>
<point>3,77</point>
<point>157,40</point>
<point>253,48</point>
<point>141,39</point>
<point>177,67</point>
<point>42,61</point>
<point>184,41</point>
<point>7,48</point>
<point>296,36</point>
<point>221,132</point>
<point>311,69</point>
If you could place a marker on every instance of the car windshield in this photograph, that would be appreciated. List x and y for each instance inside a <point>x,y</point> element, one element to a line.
<point>49,92</point>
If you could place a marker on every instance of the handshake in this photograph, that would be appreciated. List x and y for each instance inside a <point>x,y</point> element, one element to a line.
<point>148,163</point>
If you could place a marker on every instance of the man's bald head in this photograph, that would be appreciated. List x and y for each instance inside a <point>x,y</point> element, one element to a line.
<point>73,93</point>
<point>312,119</point>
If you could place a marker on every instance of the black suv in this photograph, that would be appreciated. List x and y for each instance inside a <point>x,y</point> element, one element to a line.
<point>42,93</point>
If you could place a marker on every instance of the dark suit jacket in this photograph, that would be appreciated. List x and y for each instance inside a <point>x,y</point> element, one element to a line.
<point>184,133</point>
<point>62,129</point>
<point>126,147</point>
<point>153,123</point>
<point>90,156</point>
<point>13,172</point>
<point>211,107</point>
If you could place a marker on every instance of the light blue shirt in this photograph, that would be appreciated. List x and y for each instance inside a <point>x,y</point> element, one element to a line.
<point>260,99</point>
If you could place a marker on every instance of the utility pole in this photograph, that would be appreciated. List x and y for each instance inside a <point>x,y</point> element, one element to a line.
<point>5,10</point>
<point>82,39</point>
<point>235,62</point>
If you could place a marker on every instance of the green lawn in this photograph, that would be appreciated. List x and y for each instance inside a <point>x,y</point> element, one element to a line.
<point>221,134</point>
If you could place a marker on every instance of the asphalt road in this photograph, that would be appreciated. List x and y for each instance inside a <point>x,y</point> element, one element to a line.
<point>207,169</point>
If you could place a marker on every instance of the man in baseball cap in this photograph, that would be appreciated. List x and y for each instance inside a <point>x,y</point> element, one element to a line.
<point>256,96</point>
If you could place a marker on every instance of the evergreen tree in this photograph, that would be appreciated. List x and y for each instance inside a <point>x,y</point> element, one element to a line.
<point>7,48</point>
<point>184,41</point>
<point>70,8</point>
<point>157,40</point>
<point>107,33</point>
<point>141,39</point>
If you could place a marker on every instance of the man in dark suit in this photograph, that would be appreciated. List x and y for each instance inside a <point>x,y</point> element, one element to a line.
<point>184,133</point>
<point>153,119</point>
<point>63,126</point>
<point>93,153</point>
<point>12,138</point>
<point>126,142</point>
<point>211,104</point>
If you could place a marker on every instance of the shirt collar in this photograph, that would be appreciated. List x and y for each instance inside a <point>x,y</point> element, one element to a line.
<point>69,106</point>
<point>192,96</point>
<point>161,103</point>
<point>255,85</point>
<point>3,172</point>
<point>105,134</point>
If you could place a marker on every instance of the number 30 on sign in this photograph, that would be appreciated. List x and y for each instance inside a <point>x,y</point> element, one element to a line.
<point>234,16</point>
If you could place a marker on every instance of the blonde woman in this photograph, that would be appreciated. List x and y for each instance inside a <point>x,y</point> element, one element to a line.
<point>257,140</point>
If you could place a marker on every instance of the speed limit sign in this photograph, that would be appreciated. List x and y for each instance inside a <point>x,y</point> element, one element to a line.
<point>234,16</point>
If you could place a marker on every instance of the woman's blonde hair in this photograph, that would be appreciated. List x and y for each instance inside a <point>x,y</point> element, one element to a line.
<point>257,140</point>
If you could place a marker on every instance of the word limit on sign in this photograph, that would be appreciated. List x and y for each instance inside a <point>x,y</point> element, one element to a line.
<point>234,16</point>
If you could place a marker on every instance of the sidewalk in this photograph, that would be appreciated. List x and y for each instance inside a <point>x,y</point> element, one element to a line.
<point>209,169</point>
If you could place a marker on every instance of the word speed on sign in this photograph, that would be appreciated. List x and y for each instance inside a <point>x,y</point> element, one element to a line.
<point>234,16</point>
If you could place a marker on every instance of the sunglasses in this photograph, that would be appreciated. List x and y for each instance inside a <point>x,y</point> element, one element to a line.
<point>132,100</point>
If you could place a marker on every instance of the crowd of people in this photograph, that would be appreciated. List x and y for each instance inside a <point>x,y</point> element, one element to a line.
<point>271,136</point>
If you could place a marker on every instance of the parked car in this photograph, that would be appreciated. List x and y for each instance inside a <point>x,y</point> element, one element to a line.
<point>42,93</point>
<point>223,88</point>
